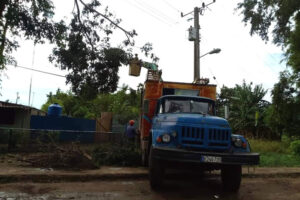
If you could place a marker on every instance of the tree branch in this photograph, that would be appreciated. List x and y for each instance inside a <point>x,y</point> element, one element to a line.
<point>128,34</point>
<point>2,44</point>
<point>83,26</point>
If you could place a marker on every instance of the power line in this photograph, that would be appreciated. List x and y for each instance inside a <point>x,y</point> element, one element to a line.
<point>214,77</point>
<point>155,11</point>
<point>40,71</point>
<point>171,6</point>
<point>149,13</point>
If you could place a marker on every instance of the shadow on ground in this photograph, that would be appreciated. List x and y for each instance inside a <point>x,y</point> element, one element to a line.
<point>193,186</point>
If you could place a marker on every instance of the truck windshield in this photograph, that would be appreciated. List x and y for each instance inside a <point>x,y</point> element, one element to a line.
<point>186,106</point>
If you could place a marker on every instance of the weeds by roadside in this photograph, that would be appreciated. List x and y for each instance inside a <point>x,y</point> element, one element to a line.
<point>275,153</point>
<point>266,146</point>
<point>110,154</point>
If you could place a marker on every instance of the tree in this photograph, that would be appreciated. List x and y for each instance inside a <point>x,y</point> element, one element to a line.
<point>29,19</point>
<point>82,47</point>
<point>87,53</point>
<point>283,115</point>
<point>66,100</point>
<point>244,102</point>
<point>282,18</point>
<point>124,104</point>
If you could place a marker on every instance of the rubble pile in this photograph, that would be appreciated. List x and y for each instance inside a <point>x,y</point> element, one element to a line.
<point>67,157</point>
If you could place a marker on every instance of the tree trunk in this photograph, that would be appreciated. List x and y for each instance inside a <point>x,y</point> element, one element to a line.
<point>4,26</point>
<point>2,44</point>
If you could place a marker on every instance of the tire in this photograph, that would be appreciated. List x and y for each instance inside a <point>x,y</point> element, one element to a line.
<point>231,177</point>
<point>156,172</point>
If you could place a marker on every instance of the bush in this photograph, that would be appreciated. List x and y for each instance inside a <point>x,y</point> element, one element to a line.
<point>295,147</point>
<point>115,155</point>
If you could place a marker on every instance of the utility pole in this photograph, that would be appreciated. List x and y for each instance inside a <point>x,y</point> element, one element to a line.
<point>32,64</point>
<point>194,35</point>
<point>30,91</point>
<point>18,97</point>
<point>196,45</point>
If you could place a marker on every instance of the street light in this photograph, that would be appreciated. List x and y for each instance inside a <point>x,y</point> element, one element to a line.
<point>212,52</point>
<point>198,79</point>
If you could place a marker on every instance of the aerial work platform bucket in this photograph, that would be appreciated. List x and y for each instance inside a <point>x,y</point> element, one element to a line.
<point>135,67</point>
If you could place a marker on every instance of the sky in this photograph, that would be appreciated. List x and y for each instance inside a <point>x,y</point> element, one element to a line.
<point>242,57</point>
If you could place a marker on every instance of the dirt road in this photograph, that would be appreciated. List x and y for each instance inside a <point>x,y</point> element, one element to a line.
<point>209,187</point>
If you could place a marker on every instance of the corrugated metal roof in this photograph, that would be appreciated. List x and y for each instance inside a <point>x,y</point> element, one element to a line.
<point>4,104</point>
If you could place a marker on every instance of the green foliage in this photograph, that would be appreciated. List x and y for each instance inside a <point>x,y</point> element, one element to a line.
<point>282,18</point>
<point>243,101</point>
<point>82,47</point>
<point>283,115</point>
<point>278,160</point>
<point>115,155</point>
<point>295,147</point>
<point>30,19</point>
<point>275,153</point>
<point>293,50</point>
<point>66,100</point>
<point>124,104</point>
<point>264,15</point>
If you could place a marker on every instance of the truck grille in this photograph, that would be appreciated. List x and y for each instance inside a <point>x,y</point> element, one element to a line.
<point>209,138</point>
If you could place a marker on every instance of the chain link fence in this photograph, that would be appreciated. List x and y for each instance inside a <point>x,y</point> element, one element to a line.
<point>32,140</point>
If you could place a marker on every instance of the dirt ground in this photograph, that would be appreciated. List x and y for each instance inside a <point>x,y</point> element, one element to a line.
<point>208,187</point>
<point>132,184</point>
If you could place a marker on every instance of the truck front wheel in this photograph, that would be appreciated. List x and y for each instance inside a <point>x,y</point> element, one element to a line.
<point>231,177</point>
<point>156,171</point>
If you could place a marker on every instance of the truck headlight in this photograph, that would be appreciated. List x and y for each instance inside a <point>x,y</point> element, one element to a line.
<point>166,138</point>
<point>237,142</point>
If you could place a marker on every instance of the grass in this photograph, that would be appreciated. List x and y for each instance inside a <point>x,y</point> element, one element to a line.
<point>279,160</point>
<point>267,146</point>
<point>275,153</point>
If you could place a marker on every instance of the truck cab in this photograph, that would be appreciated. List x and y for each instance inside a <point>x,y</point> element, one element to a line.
<point>179,126</point>
<point>188,122</point>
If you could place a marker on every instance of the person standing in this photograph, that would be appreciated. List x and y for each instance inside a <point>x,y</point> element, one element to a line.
<point>131,132</point>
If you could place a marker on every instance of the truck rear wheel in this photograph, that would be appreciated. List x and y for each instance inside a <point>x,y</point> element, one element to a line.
<point>156,172</point>
<point>231,177</point>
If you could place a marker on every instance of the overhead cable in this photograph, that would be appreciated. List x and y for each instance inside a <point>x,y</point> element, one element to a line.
<point>171,6</point>
<point>40,71</point>
<point>149,13</point>
<point>156,11</point>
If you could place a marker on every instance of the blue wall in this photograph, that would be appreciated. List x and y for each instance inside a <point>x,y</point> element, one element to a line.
<point>81,126</point>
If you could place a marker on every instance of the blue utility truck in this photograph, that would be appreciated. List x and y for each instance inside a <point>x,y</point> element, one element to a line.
<point>179,127</point>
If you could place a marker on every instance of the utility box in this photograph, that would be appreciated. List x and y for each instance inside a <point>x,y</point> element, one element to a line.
<point>192,34</point>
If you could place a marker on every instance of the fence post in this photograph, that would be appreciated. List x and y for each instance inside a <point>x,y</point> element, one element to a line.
<point>11,143</point>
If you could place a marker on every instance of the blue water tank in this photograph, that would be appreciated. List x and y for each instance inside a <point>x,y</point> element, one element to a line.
<point>54,110</point>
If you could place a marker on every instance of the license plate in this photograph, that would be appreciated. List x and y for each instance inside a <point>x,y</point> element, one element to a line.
<point>211,159</point>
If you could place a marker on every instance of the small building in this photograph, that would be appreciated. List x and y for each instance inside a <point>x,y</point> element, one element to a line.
<point>17,116</point>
